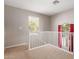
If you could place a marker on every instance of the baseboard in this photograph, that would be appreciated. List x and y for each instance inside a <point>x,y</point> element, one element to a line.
<point>61,49</point>
<point>16,45</point>
<point>38,47</point>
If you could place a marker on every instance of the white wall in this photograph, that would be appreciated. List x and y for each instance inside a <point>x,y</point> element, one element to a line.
<point>16,25</point>
<point>16,29</point>
<point>63,17</point>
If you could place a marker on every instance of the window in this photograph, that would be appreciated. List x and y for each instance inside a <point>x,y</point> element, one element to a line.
<point>65,30</point>
<point>33,24</point>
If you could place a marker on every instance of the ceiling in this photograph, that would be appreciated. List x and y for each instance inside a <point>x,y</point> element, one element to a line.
<point>42,6</point>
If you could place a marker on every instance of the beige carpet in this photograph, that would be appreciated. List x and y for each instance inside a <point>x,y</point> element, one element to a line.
<point>45,52</point>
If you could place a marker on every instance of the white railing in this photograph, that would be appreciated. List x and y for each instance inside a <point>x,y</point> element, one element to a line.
<point>47,37</point>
